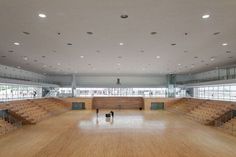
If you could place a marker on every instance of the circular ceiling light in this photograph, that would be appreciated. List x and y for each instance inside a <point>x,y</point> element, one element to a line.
<point>153,33</point>
<point>121,44</point>
<point>25,58</point>
<point>206,16</point>
<point>81,56</point>
<point>42,15</point>
<point>124,16</point>
<point>26,33</point>
<point>212,58</point>
<point>224,44</point>
<point>158,57</point>
<point>16,43</point>
<point>90,33</point>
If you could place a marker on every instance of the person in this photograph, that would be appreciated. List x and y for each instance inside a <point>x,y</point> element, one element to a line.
<point>112,114</point>
<point>97,111</point>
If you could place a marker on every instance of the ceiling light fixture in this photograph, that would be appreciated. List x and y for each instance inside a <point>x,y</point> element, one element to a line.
<point>42,15</point>
<point>16,43</point>
<point>121,44</point>
<point>212,58</point>
<point>224,44</point>
<point>153,33</point>
<point>90,33</point>
<point>158,57</point>
<point>25,58</point>
<point>81,56</point>
<point>206,16</point>
<point>124,16</point>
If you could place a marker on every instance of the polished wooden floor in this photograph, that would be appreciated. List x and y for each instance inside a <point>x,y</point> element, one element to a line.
<point>129,134</point>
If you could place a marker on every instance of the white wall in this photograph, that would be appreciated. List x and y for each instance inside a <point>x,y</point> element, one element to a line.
<point>20,76</point>
<point>110,81</point>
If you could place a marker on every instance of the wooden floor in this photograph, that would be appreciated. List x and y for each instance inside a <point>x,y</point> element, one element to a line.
<point>130,134</point>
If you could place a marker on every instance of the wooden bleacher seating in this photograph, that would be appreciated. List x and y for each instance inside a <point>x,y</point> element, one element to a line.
<point>229,127</point>
<point>27,111</point>
<point>6,127</point>
<point>35,110</point>
<point>117,103</point>
<point>208,111</point>
<point>185,105</point>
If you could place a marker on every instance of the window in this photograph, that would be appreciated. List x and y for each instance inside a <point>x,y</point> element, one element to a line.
<point>9,92</point>
<point>216,92</point>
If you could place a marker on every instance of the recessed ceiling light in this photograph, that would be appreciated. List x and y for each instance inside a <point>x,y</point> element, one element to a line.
<point>58,64</point>
<point>81,56</point>
<point>26,33</point>
<point>212,58</point>
<point>89,33</point>
<point>43,56</point>
<point>224,44</point>
<point>118,64</point>
<point>173,44</point>
<point>153,33</point>
<point>124,16</point>
<point>11,51</point>
<point>16,43</point>
<point>196,57</point>
<point>121,44</point>
<point>206,16</point>
<point>25,58</point>
<point>158,57</point>
<point>216,33</point>
<point>179,64</point>
<point>69,44</point>
<point>42,15</point>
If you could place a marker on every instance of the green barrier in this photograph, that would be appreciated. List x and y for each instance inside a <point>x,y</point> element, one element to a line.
<point>157,106</point>
<point>78,105</point>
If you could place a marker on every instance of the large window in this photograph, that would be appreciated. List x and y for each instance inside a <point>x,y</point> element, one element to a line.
<point>146,92</point>
<point>216,92</point>
<point>9,92</point>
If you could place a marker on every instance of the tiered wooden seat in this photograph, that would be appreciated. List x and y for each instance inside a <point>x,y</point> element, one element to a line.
<point>185,105</point>
<point>27,111</point>
<point>229,127</point>
<point>209,111</point>
<point>5,127</point>
<point>53,106</point>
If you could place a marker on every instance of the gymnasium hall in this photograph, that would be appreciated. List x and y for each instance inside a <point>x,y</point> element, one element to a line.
<point>117,78</point>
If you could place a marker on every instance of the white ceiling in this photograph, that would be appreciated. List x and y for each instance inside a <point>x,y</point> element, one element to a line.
<point>171,19</point>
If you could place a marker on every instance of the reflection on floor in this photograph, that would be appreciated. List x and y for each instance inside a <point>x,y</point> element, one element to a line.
<point>129,134</point>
